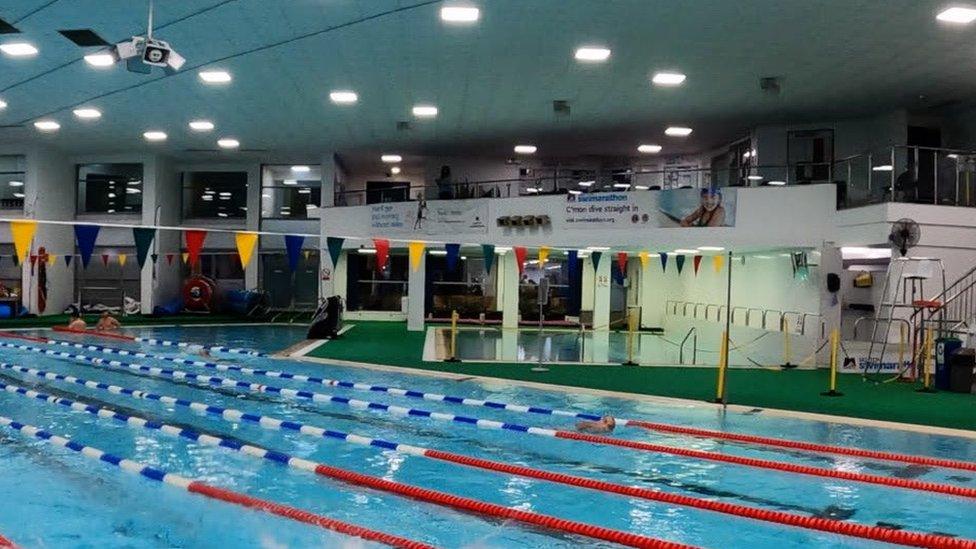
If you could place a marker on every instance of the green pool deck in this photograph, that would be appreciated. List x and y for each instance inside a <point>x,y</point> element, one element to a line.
<point>389,343</point>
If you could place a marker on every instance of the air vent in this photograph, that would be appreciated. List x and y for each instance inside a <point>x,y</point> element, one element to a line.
<point>403,126</point>
<point>7,28</point>
<point>84,38</point>
<point>769,84</point>
<point>561,107</point>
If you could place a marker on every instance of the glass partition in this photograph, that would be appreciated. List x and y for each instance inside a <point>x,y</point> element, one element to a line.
<point>13,174</point>
<point>370,290</point>
<point>467,289</point>
<point>214,195</point>
<point>290,192</point>
<point>110,188</point>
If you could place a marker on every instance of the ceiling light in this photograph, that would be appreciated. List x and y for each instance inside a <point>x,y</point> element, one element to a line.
<point>154,135</point>
<point>574,191</point>
<point>711,248</point>
<point>343,97</point>
<point>228,143</point>
<point>111,195</point>
<point>425,111</point>
<point>754,177</point>
<point>100,60</point>
<point>301,169</point>
<point>18,195</point>
<point>47,125</point>
<point>366,251</point>
<point>952,156</point>
<point>678,131</point>
<point>525,149</point>
<point>776,183</point>
<point>16,183</point>
<point>531,190</point>
<point>460,14</point>
<point>957,15</point>
<point>621,185</point>
<point>3,104</point>
<point>208,197</point>
<point>668,78</point>
<point>586,183</point>
<point>391,158</point>
<point>225,193</point>
<point>221,214</point>
<point>305,190</point>
<point>395,170</point>
<point>201,125</point>
<point>290,182</point>
<point>18,49</point>
<point>136,182</point>
<point>88,113</point>
<point>215,77</point>
<point>649,149</point>
<point>641,188</point>
<point>132,190</point>
<point>883,168</point>
<point>437,252</point>
<point>592,54</point>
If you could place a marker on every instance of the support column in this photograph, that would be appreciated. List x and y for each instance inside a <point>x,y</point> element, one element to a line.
<point>335,284</point>
<point>508,289</point>
<point>416,295</point>
<point>601,295</point>
<point>830,309</point>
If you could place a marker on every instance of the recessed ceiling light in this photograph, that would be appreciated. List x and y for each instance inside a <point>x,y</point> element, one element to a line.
<point>395,170</point>
<point>88,113</point>
<point>100,60</point>
<point>343,97</point>
<point>3,104</point>
<point>754,177</point>
<point>585,184</point>
<point>154,135</point>
<point>525,149</point>
<point>883,168</point>
<point>290,182</point>
<point>592,54</point>
<point>301,169</point>
<point>460,14</point>
<point>16,183</point>
<point>215,77</point>
<point>641,188</point>
<point>201,125</point>
<point>668,78</point>
<point>621,185</point>
<point>391,158</point>
<point>649,149</point>
<point>776,183</point>
<point>574,191</point>
<point>47,125</point>
<point>18,49</point>
<point>678,131</point>
<point>18,195</point>
<point>228,143</point>
<point>957,15</point>
<point>425,111</point>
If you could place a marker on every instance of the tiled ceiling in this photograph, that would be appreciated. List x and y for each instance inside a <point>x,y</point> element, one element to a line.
<point>494,82</point>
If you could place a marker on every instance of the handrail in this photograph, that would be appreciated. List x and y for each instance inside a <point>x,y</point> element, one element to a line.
<point>708,308</point>
<point>738,308</point>
<point>694,346</point>
<point>803,323</point>
<point>875,320</point>
<point>684,308</point>
<point>785,318</point>
<point>767,311</point>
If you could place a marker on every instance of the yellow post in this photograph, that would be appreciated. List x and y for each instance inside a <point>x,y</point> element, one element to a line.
<point>927,363</point>
<point>631,333</point>
<point>834,348</point>
<point>453,357</point>
<point>787,343</point>
<point>722,367</point>
<point>902,339</point>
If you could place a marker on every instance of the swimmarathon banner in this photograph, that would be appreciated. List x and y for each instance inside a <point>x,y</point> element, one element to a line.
<point>656,209</point>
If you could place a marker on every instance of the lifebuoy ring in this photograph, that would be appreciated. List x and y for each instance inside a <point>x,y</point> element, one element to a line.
<point>198,293</point>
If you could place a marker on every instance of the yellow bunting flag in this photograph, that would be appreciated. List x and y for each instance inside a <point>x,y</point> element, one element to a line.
<point>23,233</point>
<point>543,255</point>
<point>245,246</point>
<point>186,256</point>
<point>416,249</point>
<point>122,258</point>
<point>51,258</point>
<point>307,253</point>
<point>645,258</point>
<point>717,262</point>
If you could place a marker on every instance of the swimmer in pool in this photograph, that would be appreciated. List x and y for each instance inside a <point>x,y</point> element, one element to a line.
<point>197,349</point>
<point>76,322</point>
<point>107,323</point>
<point>606,424</point>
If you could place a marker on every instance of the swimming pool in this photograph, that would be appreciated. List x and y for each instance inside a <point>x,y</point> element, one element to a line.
<point>59,497</point>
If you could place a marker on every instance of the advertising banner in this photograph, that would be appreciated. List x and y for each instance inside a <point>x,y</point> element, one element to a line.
<point>437,217</point>
<point>652,209</point>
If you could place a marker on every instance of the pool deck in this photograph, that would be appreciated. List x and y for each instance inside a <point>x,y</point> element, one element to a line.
<point>796,390</point>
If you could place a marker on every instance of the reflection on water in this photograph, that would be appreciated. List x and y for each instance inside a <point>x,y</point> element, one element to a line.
<point>561,346</point>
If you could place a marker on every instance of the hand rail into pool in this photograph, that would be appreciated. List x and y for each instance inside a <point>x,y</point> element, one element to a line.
<point>681,349</point>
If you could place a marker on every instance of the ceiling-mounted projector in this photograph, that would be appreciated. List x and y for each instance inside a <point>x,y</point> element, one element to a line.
<point>142,53</point>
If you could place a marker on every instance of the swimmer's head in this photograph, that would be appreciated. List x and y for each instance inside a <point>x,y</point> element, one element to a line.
<point>710,198</point>
<point>609,421</point>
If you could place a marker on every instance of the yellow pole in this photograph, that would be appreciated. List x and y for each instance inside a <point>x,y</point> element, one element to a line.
<point>631,332</point>
<point>901,345</point>
<point>834,348</point>
<point>927,365</point>
<point>787,343</point>
<point>454,319</point>
<point>722,366</point>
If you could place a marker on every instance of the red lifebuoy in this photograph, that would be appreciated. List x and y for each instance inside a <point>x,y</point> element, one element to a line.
<point>198,293</point>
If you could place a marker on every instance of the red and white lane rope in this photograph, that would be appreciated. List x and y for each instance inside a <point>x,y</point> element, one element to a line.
<point>6,543</point>
<point>210,491</point>
<point>541,410</point>
<point>162,342</point>
<point>902,537</point>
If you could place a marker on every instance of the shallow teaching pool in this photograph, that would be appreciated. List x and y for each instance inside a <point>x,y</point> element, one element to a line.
<point>237,450</point>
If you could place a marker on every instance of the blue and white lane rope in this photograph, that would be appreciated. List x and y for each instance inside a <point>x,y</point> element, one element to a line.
<point>210,491</point>
<point>312,380</point>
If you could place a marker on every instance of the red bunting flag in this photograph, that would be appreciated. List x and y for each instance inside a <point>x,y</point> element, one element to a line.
<point>622,263</point>
<point>33,262</point>
<point>194,243</point>
<point>169,259</point>
<point>382,246</point>
<point>105,259</point>
<point>697,261</point>
<point>520,253</point>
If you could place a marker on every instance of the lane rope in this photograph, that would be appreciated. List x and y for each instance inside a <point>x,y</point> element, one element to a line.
<point>519,408</point>
<point>162,342</point>
<point>6,543</point>
<point>902,537</point>
<point>350,477</point>
<point>911,484</point>
<point>211,491</point>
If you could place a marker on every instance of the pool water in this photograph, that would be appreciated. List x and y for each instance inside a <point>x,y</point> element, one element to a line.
<point>57,498</point>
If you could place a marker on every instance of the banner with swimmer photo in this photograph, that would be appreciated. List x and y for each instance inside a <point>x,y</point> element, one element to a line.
<point>660,209</point>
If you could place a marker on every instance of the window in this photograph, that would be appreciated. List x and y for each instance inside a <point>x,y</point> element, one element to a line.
<point>106,283</point>
<point>467,289</point>
<point>109,188</point>
<point>290,194</point>
<point>564,294</point>
<point>13,173</point>
<point>214,195</point>
<point>368,290</point>
<point>291,291</point>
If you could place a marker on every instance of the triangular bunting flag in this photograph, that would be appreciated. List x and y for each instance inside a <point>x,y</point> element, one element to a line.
<point>622,263</point>
<point>185,256</point>
<point>306,253</point>
<point>543,255</point>
<point>154,258</point>
<point>697,262</point>
<point>645,259</point>
<point>105,259</point>
<point>22,232</point>
<point>67,260</point>
<point>143,237</point>
<point>520,253</point>
<point>334,244</point>
<point>169,258</point>
<point>595,258</point>
<point>717,262</point>
<point>453,254</point>
<point>86,235</point>
<point>51,258</point>
<point>664,262</point>
<point>488,250</point>
<point>572,263</point>
<point>194,243</point>
<point>382,246</point>
<point>122,259</point>
<point>245,246</point>
<point>416,252</point>
<point>16,260</point>
<point>679,262</point>
<point>33,261</point>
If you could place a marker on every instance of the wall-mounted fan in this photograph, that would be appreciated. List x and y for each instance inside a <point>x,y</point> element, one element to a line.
<point>904,234</point>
